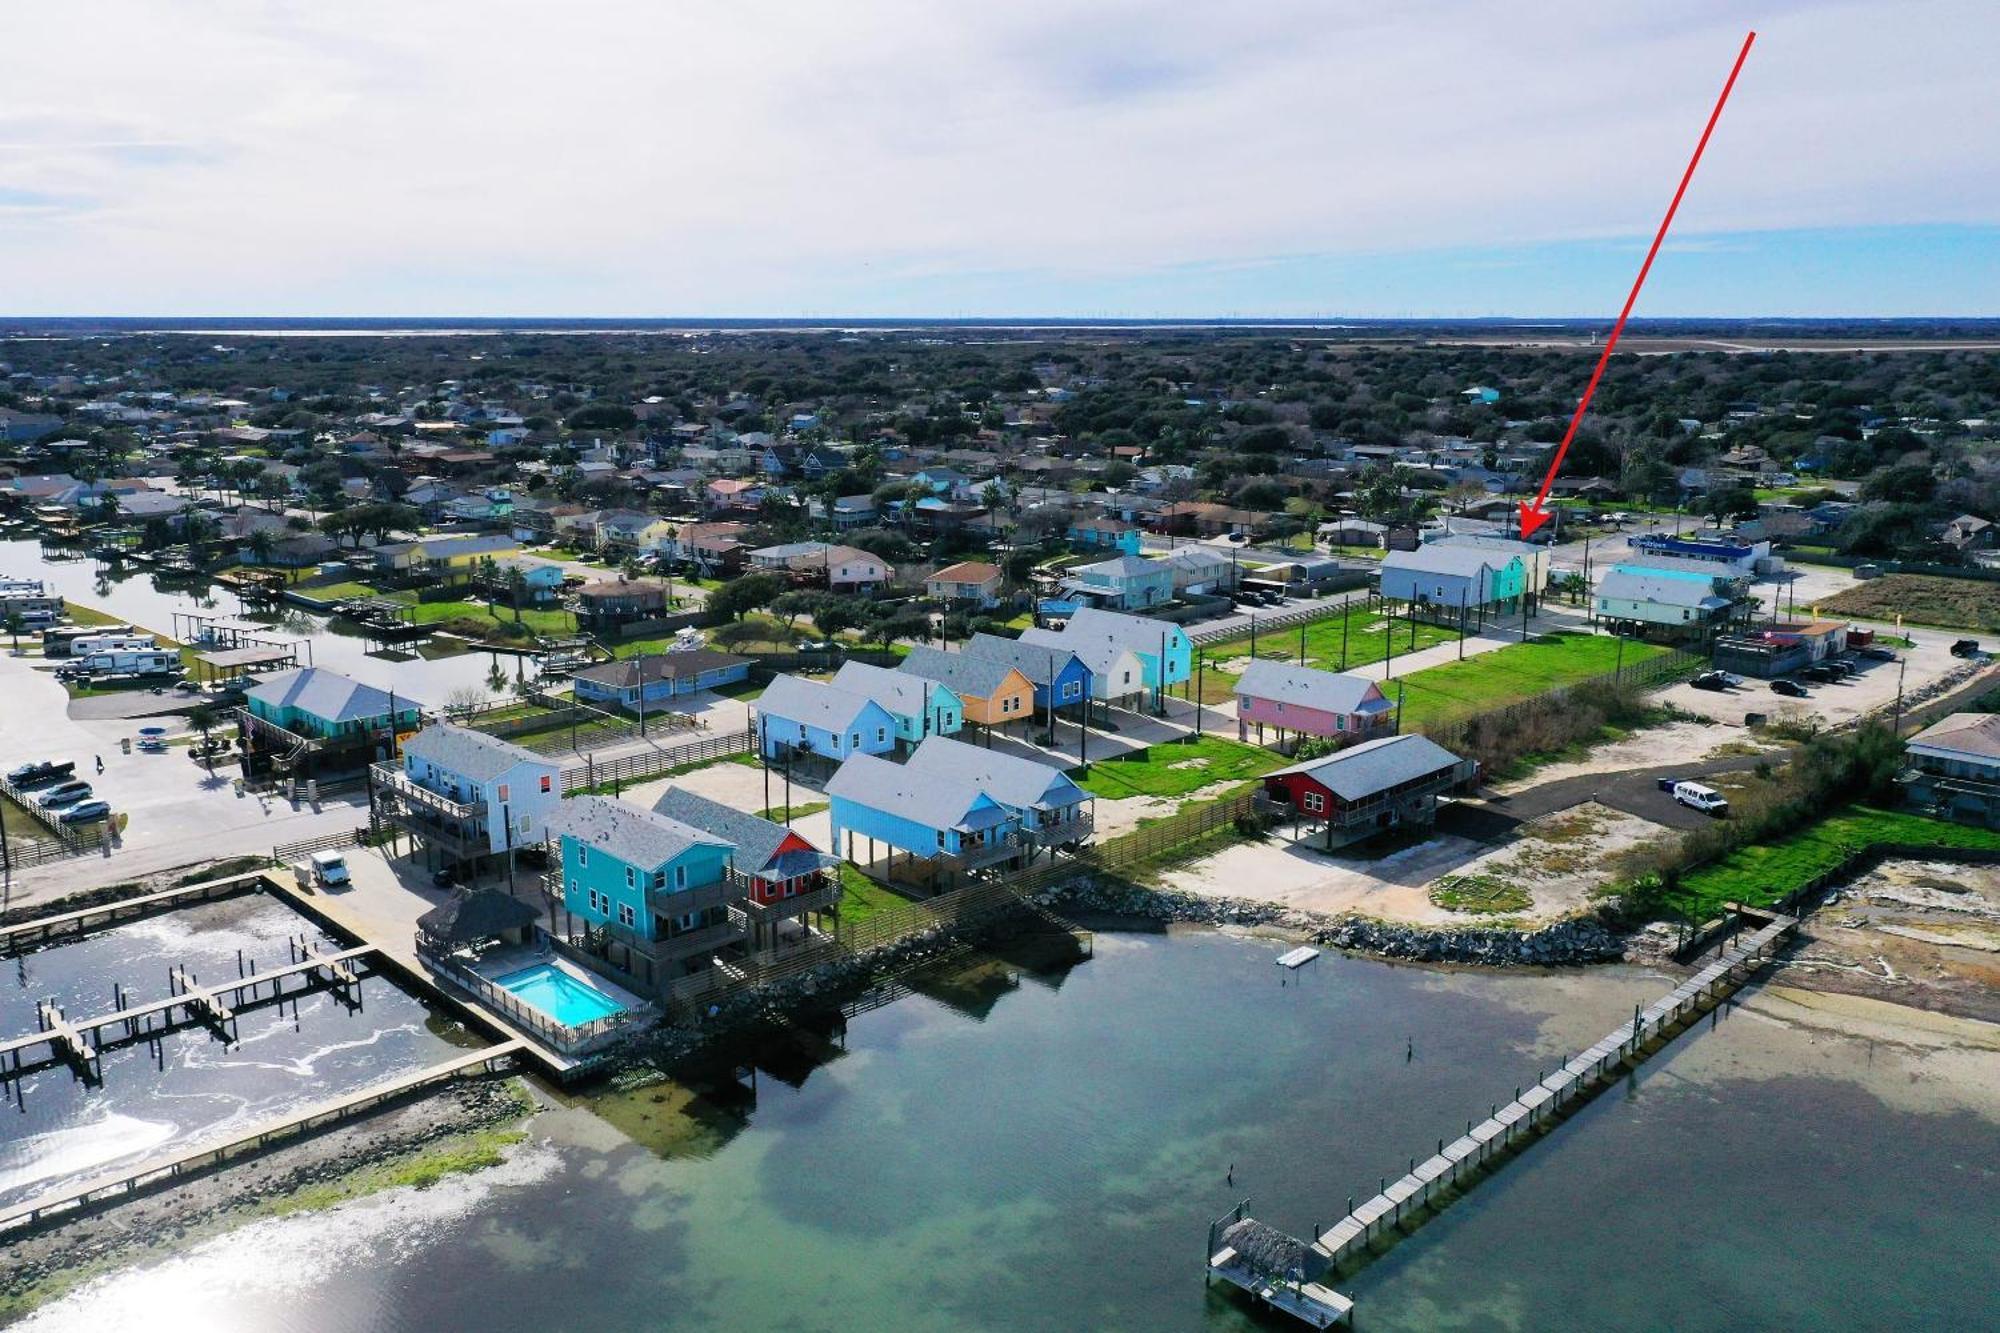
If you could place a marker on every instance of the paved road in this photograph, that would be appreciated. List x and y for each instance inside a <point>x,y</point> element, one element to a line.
<point>1635,791</point>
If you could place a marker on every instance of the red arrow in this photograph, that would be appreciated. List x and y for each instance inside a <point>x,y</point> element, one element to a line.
<point>1533,515</point>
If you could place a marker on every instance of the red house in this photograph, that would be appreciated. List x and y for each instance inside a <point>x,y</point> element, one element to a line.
<point>1370,787</point>
<point>784,877</point>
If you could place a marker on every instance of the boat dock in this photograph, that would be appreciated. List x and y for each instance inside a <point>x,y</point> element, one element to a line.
<point>170,1169</point>
<point>44,930</point>
<point>1405,1203</point>
<point>81,1043</point>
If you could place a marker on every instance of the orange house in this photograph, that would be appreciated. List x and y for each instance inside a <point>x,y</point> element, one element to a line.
<point>993,693</point>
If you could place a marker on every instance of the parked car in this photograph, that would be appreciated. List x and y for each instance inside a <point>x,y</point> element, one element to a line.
<point>1965,648</point>
<point>86,812</point>
<point>1876,652</point>
<point>1821,672</point>
<point>1711,680</point>
<point>42,774</point>
<point>69,793</point>
<point>1668,784</point>
<point>1791,689</point>
<point>1700,796</point>
<point>26,773</point>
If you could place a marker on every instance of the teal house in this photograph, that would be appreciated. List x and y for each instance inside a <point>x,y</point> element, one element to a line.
<point>920,707</point>
<point>326,705</point>
<point>660,888</point>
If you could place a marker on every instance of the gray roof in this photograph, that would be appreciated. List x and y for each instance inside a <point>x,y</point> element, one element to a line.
<point>755,838</point>
<point>1100,655</point>
<point>1969,734</point>
<point>470,754</point>
<point>1285,682</point>
<point>626,672</point>
<point>1040,663</point>
<point>1123,566</point>
<point>923,797</point>
<point>824,706</point>
<point>965,673</point>
<point>1363,770</point>
<point>1667,589</point>
<point>902,694</point>
<point>1141,634</point>
<point>632,833</point>
<point>1463,562</point>
<point>327,695</point>
<point>1013,781</point>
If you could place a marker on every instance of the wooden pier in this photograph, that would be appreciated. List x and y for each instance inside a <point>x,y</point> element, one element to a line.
<point>64,925</point>
<point>80,1043</point>
<point>167,1170</point>
<point>1410,1199</point>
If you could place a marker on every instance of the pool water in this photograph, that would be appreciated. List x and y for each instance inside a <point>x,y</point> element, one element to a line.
<point>564,998</point>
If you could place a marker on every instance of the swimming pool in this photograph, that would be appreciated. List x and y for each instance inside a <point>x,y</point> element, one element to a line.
<point>566,999</point>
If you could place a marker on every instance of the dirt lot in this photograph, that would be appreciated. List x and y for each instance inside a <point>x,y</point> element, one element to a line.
<point>1674,743</point>
<point>1920,933</point>
<point>1547,871</point>
<point>1872,687</point>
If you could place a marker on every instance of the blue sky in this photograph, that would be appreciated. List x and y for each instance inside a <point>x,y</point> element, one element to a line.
<point>1137,158</point>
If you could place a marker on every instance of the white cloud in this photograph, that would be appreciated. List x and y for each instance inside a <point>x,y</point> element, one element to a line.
<point>767,155</point>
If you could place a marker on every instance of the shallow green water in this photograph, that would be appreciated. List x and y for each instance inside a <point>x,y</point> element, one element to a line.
<point>1047,1155</point>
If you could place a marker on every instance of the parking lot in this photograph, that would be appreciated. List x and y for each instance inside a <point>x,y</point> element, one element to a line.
<point>1872,686</point>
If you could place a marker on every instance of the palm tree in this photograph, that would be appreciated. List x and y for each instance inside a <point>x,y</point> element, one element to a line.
<point>517,589</point>
<point>203,717</point>
<point>261,543</point>
<point>14,622</point>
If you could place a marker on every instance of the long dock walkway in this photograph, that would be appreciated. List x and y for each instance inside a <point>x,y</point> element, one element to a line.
<point>43,930</point>
<point>1412,1197</point>
<point>177,1166</point>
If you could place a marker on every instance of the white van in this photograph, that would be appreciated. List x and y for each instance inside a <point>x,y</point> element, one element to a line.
<point>320,870</point>
<point>1701,797</point>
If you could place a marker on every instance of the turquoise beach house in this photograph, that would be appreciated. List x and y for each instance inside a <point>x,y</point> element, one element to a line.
<point>658,886</point>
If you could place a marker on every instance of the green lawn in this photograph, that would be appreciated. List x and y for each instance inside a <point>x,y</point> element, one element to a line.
<point>1511,674</point>
<point>1177,768</point>
<point>345,591</point>
<point>800,809</point>
<point>1764,874</point>
<point>1366,632</point>
<point>861,897</point>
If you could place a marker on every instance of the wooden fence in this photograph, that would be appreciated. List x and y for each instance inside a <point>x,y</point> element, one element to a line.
<point>287,852</point>
<point>1300,615</point>
<point>1650,674</point>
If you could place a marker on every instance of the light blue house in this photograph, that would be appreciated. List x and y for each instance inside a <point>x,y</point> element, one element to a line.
<point>647,879</point>
<point>468,794</point>
<point>1122,583</point>
<point>919,706</point>
<point>957,807</point>
<point>326,705</point>
<point>540,581</point>
<point>1104,533</point>
<point>795,715</point>
<point>1450,576</point>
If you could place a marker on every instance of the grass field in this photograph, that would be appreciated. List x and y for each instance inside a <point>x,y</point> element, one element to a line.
<point>1511,674</point>
<point>861,897</point>
<point>1366,632</point>
<point>1764,874</point>
<point>800,809</point>
<point>1923,599</point>
<point>1177,768</point>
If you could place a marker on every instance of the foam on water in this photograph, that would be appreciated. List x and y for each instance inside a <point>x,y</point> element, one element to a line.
<point>76,1149</point>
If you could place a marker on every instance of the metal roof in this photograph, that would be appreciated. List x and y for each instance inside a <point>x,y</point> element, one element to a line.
<point>1285,682</point>
<point>921,797</point>
<point>1141,634</point>
<point>1372,767</point>
<point>327,695</point>
<point>902,694</point>
<point>1039,662</point>
<point>966,673</point>
<point>470,754</point>
<point>1975,734</point>
<point>755,838</point>
<point>1013,781</point>
<point>824,706</point>
<point>1663,587</point>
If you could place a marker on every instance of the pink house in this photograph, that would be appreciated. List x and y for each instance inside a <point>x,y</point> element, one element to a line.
<point>1304,702</point>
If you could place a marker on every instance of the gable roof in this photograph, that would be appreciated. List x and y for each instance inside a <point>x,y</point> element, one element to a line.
<point>1123,567</point>
<point>964,672</point>
<point>1140,634</point>
<point>1452,560</point>
<point>627,672</point>
<point>1665,587</point>
<point>966,571</point>
<point>827,707</point>
<point>1007,778</point>
<point>327,695</point>
<point>1099,655</point>
<point>1040,663</point>
<point>1363,770</point>
<point>900,693</point>
<point>1976,734</point>
<point>931,800</point>
<point>1285,682</point>
<point>470,754</point>
<point>631,833</point>
<point>757,840</point>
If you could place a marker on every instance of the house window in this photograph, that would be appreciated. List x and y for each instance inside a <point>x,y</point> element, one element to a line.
<point>854,741</point>
<point>1340,722</point>
<point>522,827</point>
<point>1315,802</point>
<point>631,878</point>
<point>881,736</point>
<point>626,916</point>
<point>548,784</point>
<point>582,855</point>
<point>503,793</point>
<point>680,877</point>
<point>940,837</point>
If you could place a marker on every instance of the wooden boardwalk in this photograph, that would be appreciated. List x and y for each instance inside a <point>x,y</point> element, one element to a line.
<point>42,930</point>
<point>1409,1199</point>
<point>166,1170</point>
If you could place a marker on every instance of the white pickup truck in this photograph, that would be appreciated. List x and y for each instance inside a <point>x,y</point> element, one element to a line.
<point>321,870</point>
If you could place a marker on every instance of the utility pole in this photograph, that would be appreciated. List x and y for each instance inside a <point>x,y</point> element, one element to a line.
<point>1902,666</point>
<point>1200,665</point>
